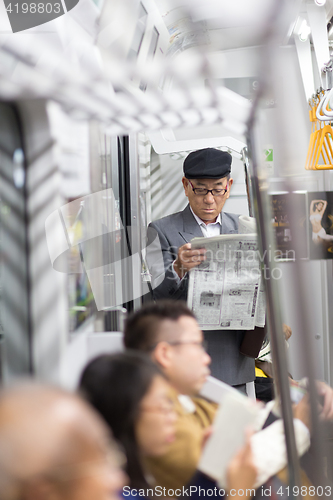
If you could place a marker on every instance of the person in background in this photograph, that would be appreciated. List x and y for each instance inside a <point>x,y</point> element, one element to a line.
<point>207,182</point>
<point>131,393</point>
<point>170,334</point>
<point>53,446</point>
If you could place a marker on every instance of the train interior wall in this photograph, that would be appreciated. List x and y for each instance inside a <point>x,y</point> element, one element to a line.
<point>168,197</point>
<point>157,191</point>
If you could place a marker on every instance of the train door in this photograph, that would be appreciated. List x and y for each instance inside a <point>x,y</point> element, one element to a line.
<point>15,322</point>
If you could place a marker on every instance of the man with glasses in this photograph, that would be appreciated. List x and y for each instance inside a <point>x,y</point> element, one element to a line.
<point>170,334</point>
<point>207,184</point>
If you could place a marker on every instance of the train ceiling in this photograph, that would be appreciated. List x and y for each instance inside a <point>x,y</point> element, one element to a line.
<point>82,60</point>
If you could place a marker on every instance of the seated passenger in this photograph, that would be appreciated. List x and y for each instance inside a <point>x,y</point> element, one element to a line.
<point>132,395</point>
<point>169,332</point>
<point>53,446</point>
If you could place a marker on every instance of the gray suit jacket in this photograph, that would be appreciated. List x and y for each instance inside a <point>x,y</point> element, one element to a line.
<point>165,236</point>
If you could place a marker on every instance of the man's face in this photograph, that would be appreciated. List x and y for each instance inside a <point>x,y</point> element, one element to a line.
<point>98,478</point>
<point>188,363</point>
<point>96,475</point>
<point>207,207</point>
<point>63,449</point>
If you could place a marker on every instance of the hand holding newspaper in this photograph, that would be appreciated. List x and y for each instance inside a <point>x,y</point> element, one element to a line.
<point>268,445</point>
<point>225,291</point>
<point>234,416</point>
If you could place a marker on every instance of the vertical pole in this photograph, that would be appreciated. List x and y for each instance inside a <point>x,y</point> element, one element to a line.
<point>249,187</point>
<point>266,242</point>
<point>261,210</point>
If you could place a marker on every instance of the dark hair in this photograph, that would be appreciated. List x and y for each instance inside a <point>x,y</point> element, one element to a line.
<point>142,326</point>
<point>315,206</point>
<point>115,386</point>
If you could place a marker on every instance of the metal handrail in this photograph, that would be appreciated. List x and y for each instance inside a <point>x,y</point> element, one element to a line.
<point>248,181</point>
<point>260,207</point>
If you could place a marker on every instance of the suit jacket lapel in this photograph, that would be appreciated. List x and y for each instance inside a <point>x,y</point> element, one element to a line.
<point>191,228</point>
<point>227,226</point>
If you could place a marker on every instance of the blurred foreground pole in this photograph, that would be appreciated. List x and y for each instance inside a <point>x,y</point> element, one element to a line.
<point>300,289</point>
<point>278,20</point>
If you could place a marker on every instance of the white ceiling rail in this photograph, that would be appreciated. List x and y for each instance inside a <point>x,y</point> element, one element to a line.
<point>230,109</point>
<point>127,110</point>
<point>231,14</point>
<point>305,62</point>
<point>318,24</point>
<point>164,142</point>
<point>113,96</point>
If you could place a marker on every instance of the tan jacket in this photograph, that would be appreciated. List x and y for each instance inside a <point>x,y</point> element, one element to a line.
<point>176,467</point>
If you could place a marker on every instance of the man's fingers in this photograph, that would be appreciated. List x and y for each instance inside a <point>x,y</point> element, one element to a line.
<point>187,246</point>
<point>188,258</point>
<point>302,411</point>
<point>287,331</point>
<point>247,449</point>
<point>188,255</point>
<point>327,393</point>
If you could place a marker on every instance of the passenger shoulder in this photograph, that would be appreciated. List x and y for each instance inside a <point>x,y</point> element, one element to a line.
<point>167,220</point>
<point>233,218</point>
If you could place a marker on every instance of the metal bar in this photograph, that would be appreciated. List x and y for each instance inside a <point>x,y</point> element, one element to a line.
<point>249,188</point>
<point>135,221</point>
<point>304,321</point>
<point>266,241</point>
<point>125,213</point>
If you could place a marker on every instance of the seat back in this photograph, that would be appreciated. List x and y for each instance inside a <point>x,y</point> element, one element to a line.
<point>83,348</point>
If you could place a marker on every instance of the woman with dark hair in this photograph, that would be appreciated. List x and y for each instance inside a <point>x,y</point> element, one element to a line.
<point>131,393</point>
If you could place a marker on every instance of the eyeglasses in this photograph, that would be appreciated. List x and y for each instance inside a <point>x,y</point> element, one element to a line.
<point>203,344</point>
<point>204,191</point>
<point>166,407</point>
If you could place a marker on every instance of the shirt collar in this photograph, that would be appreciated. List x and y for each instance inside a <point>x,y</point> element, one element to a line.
<point>186,403</point>
<point>201,222</point>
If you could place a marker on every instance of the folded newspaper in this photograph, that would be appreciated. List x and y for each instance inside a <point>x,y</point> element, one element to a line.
<point>236,414</point>
<point>225,291</point>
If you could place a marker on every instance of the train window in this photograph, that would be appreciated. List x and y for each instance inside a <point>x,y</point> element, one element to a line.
<point>104,232</point>
<point>92,277</point>
<point>80,296</point>
<point>14,281</point>
<point>151,52</point>
<point>139,33</point>
<point>153,43</point>
<point>103,220</point>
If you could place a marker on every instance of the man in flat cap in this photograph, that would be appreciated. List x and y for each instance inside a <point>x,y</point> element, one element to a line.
<point>207,184</point>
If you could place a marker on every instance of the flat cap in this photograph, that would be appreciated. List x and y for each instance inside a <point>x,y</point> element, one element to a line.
<point>208,163</point>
